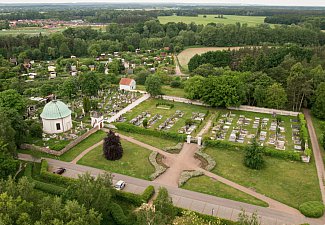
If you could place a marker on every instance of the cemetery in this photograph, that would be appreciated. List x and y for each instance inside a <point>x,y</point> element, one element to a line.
<point>169,116</point>
<point>279,132</point>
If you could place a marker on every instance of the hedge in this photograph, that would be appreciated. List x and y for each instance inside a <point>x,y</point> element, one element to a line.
<point>288,155</point>
<point>53,178</point>
<point>313,209</point>
<point>45,187</point>
<point>148,193</point>
<point>118,214</point>
<point>129,197</point>
<point>161,134</point>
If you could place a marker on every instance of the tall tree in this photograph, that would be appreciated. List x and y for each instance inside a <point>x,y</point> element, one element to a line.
<point>89,83</point>
<point>112,147</point>
<point>12,99</point>
<point>276,97</point>
<point>254,156</point>
<point>319,105</point>
<point>153,85</point>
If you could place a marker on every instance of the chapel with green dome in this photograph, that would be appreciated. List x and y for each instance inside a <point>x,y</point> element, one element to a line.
<point>56,117</point>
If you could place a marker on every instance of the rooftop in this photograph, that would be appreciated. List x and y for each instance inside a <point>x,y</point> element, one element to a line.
<point>55,110</point>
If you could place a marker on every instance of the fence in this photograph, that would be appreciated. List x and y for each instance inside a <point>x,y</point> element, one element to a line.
<point>264,110</point>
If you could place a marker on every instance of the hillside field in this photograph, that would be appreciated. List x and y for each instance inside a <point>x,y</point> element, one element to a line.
<point>228,19</point>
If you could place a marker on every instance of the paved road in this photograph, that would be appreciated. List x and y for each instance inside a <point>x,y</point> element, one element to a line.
<point>128,108</point>
<point>316,152</point>
<point>202,203</point>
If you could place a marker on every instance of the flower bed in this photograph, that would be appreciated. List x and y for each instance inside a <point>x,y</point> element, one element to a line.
<point>159,169</point>
<point>186,175</point>
<point>208,158</point>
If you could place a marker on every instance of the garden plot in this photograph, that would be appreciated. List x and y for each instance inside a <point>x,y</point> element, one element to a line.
<point>169,116</point>
<point>280,132</point>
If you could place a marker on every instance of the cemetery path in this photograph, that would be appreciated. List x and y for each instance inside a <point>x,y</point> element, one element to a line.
<point>186,199</point>
<point>128,108</point>
<point>316,152</point>
<point>206,126</point>
<point>82,154</point>
<point>181,162</point>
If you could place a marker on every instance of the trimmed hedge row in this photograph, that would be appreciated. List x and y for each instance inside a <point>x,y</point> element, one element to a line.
<point>313,209</point>
<point>45,187</point>
<point>288,155</point>
<point>53,178</point>
<point>118,214</point>
<point>161,134</point>
<point>148,193</point>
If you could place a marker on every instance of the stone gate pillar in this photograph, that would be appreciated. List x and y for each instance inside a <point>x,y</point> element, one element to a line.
<point>188,140</point>
<point>199,141</point>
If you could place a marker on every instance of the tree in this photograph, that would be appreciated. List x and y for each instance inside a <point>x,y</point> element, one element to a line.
<point>8,165</point>
<point>89,83</point>
<point>318,107</point>
<point>254,156</point>
<point>7,134</point>
<point>193,87</point>
<point>69,87</point>
<point>12,99</point>
<point>164,204</point>
<point>64,50</point>
<point>112,147</point>
<point>191,218</point>
<point>153,85</point>
<point>276,97</point>
<point>145,123</point>
<point>86,104</point>
<point>148,215</point>
<point>141,77</point>
<point>244,219</point>
<point>36,130</point>
<point>93,193</point>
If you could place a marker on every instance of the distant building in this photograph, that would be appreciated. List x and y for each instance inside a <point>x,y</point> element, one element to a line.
<point>97,120</point>
<point>51,68</point>
<point>56,117</point>
<point>127,84</point>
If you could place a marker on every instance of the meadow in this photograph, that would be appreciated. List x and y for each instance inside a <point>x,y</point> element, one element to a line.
<point>227,19</point>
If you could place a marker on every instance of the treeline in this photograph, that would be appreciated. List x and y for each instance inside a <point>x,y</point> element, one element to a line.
<point>288,19</point>
<point>89,15</point>
<point>282,78</point>
<point>84,41</point>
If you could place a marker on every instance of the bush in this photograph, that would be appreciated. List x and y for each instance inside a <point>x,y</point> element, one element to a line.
<point>148,193</point>
<point>118,214</point>
<point>58,146</point>
<point>129,197</point>
<point>53,178</point>
<point>160,134</point>
<point>36,130</point>
<point>175,84</point>
<point>165,104</point>
<point>208,158</point>
<point>313,209</point>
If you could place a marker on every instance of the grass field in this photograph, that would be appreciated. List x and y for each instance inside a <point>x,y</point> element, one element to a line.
<point>167,90</point>
<point>134,162</point>
<point>209,186</point>
<point>318,125</point>
<point>228,19</point>
<point>185,56</point>
<point>291,183</point>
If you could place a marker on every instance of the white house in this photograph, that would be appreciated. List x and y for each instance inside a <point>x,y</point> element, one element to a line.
<point>56,117</point>
<point>51,68</point>
<point>127,84</point>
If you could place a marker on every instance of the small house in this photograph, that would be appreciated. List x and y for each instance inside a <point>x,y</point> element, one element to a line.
<point>127,84</point>
<point>51,68</point>
<point>91,67</point>
<point>13,61</point>
<point>52,75</point>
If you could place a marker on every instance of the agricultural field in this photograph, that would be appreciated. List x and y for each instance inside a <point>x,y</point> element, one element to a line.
<point>227,19</point>
<point>185,56</point>
<point>31,31</point>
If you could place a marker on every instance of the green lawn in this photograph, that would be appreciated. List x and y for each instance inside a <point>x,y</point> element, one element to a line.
<point>209,186</point>
<point>73,152</point>
<point>150,140</point>
<point>228,19</point>
<point>167,90</point>
<point>135,161</point>
<point>150,106</point>
<point>318,125</point>
<point>291,183</point>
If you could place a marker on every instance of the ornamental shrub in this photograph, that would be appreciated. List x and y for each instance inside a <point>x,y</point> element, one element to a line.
<point>313,209</point>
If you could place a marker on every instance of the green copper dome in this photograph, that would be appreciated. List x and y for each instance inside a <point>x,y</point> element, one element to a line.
<point>55,110</point>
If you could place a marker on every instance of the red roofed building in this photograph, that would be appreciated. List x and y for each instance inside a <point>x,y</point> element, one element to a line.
<point>127,84</point>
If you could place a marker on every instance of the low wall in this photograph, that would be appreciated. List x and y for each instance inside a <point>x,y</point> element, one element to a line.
<point>264,110</point>
<point>62,151</point>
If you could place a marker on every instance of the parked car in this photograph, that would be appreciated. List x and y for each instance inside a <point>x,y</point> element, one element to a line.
<point>60,170</point>
<point>119,185</point>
